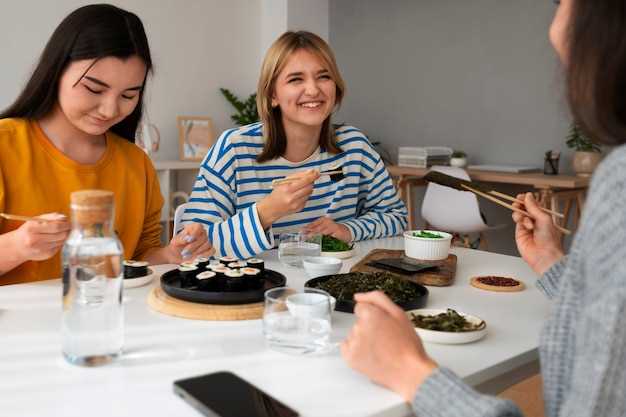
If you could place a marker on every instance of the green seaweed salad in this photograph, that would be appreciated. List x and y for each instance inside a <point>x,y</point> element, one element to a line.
<point>344,286</point>
<point>450,321</point>
<point>429,235</point>
<point>331,244</point>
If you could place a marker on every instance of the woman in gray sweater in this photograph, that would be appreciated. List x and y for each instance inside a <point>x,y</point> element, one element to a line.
<point>583,343</point>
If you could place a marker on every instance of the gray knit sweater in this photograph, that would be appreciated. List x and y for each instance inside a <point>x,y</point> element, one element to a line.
<point>583,343</point>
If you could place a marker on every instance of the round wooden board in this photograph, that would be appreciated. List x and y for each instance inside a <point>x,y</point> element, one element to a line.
<point>159,301</point>
<point>475,283</point>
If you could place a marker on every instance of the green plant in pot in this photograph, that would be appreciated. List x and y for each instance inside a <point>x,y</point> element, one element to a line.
<point>246,109</point>
<point>587,154</point>
<point>458,159</point>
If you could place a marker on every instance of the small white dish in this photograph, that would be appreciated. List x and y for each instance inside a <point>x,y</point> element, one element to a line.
<point>427,249</point>
<point>344,254</point>
<point>309,304</point>
<point>448,338</point>
<point>139,281</point>
<point>317,266</point>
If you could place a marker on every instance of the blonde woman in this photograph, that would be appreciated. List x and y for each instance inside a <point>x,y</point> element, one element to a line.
<point>299,88</point>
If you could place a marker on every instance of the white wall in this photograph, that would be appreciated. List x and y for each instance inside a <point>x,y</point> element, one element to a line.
<point>197,47</point>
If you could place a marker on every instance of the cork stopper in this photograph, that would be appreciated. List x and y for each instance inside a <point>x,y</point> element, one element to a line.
<point>92,207</point>
<point>92,198</point>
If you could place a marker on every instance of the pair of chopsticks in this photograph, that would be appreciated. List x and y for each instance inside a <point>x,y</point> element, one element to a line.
<point>491,195</point>
<point>286,180</point>
<point>24,218</point>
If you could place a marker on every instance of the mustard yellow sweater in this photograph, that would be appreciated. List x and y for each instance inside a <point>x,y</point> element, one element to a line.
<point>36,178</point>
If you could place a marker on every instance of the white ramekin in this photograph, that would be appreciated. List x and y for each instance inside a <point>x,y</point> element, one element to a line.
<point>427,249</point>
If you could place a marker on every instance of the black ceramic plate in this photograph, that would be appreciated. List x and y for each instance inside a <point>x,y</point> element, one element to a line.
<point>170,282</point>
<point>348,306</point>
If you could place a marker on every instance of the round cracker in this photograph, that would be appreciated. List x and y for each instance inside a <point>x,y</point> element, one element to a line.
<point>475,283</point>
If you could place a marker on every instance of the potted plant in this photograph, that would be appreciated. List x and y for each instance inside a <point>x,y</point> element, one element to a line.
<point>246,110</point>
<point>458,159</point>
<point>587,154</point>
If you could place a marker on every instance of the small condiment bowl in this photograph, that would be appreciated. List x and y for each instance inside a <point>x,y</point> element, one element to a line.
<point>425,248</point>
<point>310,304</point>
<point>317,266</point>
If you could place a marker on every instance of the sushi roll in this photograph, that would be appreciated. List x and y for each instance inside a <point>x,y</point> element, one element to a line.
<point>253,277</point>
<point>225,260</point>
<point>206,280</point>
<point>135,269</point>
<point>188,274</point>
<point>257,263</point>
<point>238,264</point>
<point>202,262</point>
<point>220,278</point>
<point>235,280</point>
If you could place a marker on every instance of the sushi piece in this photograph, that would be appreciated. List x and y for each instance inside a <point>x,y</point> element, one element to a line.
<point>188,274</point>
<point>238,264</point>
<point>206,280</point>
<point>135,269</point>
<point>202,262</point>
<point>253,277</point>
<point>235,280</point>
<point>225,260</point>
<point>256,263</point>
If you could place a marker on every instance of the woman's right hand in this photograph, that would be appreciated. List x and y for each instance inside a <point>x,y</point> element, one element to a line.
<point>287,198</point>
<point>538,241</point>
<point>40,240</point>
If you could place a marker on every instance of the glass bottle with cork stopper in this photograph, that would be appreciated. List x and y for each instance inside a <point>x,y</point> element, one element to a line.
<point>92,323</point>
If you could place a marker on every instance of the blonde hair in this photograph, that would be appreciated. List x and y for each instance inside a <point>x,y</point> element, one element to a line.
<point>274,62</point>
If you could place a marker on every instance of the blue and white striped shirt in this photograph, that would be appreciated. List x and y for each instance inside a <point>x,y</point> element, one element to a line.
<point>231,181</point>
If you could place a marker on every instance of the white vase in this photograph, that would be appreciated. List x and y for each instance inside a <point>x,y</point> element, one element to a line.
<point>458,162</point>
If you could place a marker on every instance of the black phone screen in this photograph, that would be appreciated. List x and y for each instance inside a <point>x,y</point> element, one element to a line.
<point>224,394</point>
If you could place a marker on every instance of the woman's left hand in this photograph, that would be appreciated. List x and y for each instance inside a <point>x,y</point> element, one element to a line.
<point>327,226</point>
<point>189,244</point>
<point>383,345</point>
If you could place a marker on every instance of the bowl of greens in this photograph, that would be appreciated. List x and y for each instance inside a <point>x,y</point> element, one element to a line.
<point>427,245</point>
<point>447,326</point>
<point>406,294</point>
<point>336,248</point>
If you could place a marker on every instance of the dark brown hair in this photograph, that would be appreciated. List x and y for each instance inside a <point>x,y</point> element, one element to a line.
<point>89,32</point>
<point>596,68</point>
<point>275,60</point>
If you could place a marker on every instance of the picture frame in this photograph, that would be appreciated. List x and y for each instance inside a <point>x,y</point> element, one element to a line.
<point>195,136</point>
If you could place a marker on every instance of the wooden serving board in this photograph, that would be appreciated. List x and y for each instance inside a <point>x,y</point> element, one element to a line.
<point>159,301</point>
<point>442,277</point>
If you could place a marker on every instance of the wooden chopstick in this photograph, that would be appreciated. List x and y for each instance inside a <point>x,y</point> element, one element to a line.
<point>286,179</point>
<point>509,206</point>
<point>511,198</point>
<point>24,218</point>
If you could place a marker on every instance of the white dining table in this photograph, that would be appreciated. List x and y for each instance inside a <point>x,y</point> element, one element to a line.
<point>159,349</point>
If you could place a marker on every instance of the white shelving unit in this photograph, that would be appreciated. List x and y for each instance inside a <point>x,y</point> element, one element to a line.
<point>168,173</point>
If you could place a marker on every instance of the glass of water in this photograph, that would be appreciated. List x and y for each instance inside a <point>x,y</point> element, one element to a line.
<point>297,322</point>
<point>293,247</point>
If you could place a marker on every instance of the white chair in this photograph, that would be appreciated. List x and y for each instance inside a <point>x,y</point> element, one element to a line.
<point>453,211</point>
<point>178,216</point>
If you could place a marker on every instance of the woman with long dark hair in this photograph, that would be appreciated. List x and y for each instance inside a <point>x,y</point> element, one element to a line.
<point>583,343</point>
<point>73,127</point>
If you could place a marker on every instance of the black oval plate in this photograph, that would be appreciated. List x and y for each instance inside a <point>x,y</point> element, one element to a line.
<point>348,306</point>
<point>170,282</point>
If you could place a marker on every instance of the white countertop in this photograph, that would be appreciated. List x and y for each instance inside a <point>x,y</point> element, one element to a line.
<point>36,381</point>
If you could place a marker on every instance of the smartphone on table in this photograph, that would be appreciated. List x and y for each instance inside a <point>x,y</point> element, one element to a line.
<point>224,394</point>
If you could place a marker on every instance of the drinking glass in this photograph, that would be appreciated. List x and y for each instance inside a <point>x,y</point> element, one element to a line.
<point>293,247</point>
<point>297,322</point>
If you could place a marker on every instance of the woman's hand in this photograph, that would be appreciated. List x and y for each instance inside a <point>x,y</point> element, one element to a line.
<point>327,226</point>
<point>40,240</point>
<point>187,245</point>
<point>287,198</point>
<point>383,345</point>
<point>538,241</point>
